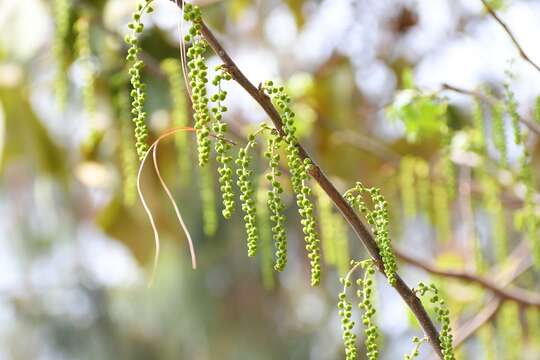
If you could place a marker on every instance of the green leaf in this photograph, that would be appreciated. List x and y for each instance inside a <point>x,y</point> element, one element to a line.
<point>423,116</point>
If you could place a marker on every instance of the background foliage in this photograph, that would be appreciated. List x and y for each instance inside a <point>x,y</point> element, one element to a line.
<point>366,78</point>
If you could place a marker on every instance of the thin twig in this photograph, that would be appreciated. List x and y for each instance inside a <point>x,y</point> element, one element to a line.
<point>510,34</point>
<point>491,101</point>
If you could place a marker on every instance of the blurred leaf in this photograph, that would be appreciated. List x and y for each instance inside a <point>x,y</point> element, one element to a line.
<point>237,8</point>
<point>26,137</point>
<point>296,9</point>
<point>423,116</point>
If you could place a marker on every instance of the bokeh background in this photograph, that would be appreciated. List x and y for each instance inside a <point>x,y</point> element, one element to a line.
<point>75,258</point>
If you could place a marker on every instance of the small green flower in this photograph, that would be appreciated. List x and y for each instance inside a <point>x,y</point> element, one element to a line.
<point>416,349</point>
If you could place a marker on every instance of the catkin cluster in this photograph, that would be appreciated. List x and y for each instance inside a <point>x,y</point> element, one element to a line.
<point>364,293</point>
<point>198,75</point>
<point>299,176</point>
<point>223,147</point>
<point>443,317</point>
<point>378,218</point>
<point>245,184</point>
<point>275,205</point>
<point>138,92</point>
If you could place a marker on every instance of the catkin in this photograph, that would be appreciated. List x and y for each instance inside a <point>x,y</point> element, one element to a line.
<point>179,114</point>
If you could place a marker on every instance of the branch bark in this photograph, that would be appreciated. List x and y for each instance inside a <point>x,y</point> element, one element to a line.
<point>362,232</point>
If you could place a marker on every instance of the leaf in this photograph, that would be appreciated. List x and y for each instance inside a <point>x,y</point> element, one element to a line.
<point>423,116</point>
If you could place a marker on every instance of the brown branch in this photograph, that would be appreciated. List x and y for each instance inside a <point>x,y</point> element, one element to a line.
<point>534,127</point>
<point>362,232</point>
<point>510,34</point>
<point>518,295</point>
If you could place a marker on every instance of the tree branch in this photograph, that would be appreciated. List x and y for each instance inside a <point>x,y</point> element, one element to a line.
<point>521,296</point>
<point>510,34</point>
<point>362,232</point>
<point>534,127</point>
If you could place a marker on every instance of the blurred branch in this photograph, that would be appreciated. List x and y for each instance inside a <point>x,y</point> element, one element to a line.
<point>510,34</point>
<point>362,232</point>
<point>491,101</point>
<point>368,144</point>
<point>521,296</point>
<point>518,263</point>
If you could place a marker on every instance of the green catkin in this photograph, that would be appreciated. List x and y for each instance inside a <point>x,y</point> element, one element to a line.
<point>511,109</point>
<point>406,183</point>
<point>421,171</point>
<point>365,295</point>
<point>223,147</point>
<point>509,332</point>
<point>443,317</point>
<point>246,195</point>
<point>334,237</point>
<point>495,208</point>
<point>299,176</point>
<point>61,10</point>
<point>198,78</point>
<point>341,243</point>
<point>208,200</point>
<point>82,27</point>
<point>441,212</point>
<point>328,240</point>
<point>275,205</point>
<point>448,168</point>
<point>499,133</point>
<point>265,237</point>
<point>128,158</point>
<point>478,124</point>
<point>415,352</point>
<point>531,219</point>
<point>172,69</point>
<point>379,219</point>
<point>138,93</point>
<point>345,314</point>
